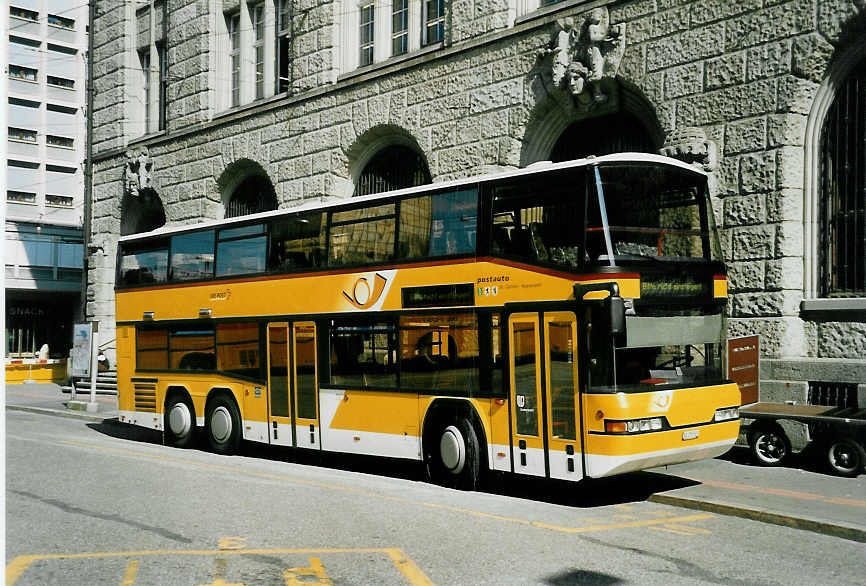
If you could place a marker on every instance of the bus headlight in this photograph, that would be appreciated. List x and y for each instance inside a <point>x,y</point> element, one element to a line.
<point>634,425</point>
<point>727,414</point>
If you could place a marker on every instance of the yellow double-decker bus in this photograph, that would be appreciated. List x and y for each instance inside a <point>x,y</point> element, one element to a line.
<point>563,321</point>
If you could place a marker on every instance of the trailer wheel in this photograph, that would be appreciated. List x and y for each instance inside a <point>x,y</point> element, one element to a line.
<point>769,444</point>
<point>845,456</point>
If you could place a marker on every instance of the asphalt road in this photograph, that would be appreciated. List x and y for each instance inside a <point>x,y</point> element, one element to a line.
<point>103,503</point>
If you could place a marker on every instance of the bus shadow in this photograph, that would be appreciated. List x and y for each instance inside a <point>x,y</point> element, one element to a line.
<point>117,430</point>
<point>809,459</point>
<point>625,488</point>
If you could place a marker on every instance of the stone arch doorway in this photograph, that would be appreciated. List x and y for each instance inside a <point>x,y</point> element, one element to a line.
<point>141,213</point>
<point>603,135</point>
<point>246,189</point>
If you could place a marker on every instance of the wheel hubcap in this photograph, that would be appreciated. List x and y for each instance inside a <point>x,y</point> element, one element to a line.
<point>452,450</point>
<point>770,447</point>
<point>221,424</point>
<point>842,457</point>
<point>179,419</point>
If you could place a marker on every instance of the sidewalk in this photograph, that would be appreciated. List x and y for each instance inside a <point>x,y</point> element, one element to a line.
<point>802,497</point>
<point>47,398</point>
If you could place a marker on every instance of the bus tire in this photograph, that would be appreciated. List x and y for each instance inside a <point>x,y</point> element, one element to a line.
<point>453,459</point>
<point>223,423</point>
<point>769,445</point>
<point>179,424</point>
<point>845,456</point>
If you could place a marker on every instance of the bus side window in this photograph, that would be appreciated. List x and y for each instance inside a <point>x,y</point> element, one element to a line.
<point>297,242</point>
<point>363,354</point>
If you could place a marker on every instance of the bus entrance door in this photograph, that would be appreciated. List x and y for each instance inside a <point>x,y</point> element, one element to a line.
<point>544,397</point>
<point>560,373</point>
<point>279,401</point>
<point>305,386</point>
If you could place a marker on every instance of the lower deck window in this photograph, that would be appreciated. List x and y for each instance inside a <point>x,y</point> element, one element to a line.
<point>192,350</point>
<point>363,355</point>
<point>439,352</point>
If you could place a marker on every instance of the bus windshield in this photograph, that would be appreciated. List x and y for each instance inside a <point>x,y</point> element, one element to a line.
<point>641,212</point>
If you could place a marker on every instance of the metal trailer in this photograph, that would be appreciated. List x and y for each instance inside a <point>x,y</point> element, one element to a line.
<point>838,432</point>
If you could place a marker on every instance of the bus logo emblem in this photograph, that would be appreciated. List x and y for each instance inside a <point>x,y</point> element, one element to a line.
<point>362,295</point>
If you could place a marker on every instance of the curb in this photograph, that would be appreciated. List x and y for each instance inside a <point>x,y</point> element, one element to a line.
<point>832,529</point>
<point>71,414</point>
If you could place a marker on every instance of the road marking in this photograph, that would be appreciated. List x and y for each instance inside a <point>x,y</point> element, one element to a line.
<point>781,492</point>
<point>219,575</point>
<point>336,487</point>
<point>682,529</point>
<point>232,543</point>
<point>292,576</point>
<point>413,574</point>
<point>131,573</point>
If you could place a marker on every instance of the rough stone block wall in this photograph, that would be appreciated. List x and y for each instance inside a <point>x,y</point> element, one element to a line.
<point>314,23</point>
<point>473,18</point>
<point>109,51</point>
<point>188,60</point>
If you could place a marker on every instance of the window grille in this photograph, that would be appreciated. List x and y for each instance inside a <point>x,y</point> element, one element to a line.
<point>842,208</point>
<point>394,167</point>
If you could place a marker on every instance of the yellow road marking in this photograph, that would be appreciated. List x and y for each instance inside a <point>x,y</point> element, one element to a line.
<point>233,543</point>
<point>131,573</point>
<point>336,487</point>
<point>682,529</point>
<point>401,561</point>
<point>292,576</point>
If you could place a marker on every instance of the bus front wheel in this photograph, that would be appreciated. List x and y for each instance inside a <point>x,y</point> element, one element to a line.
<point>453,457</point>
<point>223,425</point>
<point>179,421</point>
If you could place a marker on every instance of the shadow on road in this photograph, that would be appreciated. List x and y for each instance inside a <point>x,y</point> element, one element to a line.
<point>625,488</point>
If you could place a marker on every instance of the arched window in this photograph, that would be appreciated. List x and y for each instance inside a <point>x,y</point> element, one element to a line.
<point>614,133</point>
<point>393,167</point>
<point>253,195</point>
<point>842,203</point>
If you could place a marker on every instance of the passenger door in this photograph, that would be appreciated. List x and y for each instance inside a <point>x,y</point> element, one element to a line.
<point>279,399</point>
<point>545,398</point>
<point>305,385</point>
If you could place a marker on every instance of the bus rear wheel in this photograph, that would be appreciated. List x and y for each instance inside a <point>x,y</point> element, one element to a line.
<point>179,421</point>
<point>453,458</point>
<point>223,425</point>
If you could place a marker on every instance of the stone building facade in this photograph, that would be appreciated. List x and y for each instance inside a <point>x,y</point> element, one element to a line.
<point>195,98</point>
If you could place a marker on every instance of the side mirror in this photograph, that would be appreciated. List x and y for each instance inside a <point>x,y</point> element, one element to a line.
<point>616,310</point>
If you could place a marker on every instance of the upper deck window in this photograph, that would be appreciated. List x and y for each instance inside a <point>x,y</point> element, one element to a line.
<point>438,225</point>
<point>298,242</point>
<point>138,267</point>
<point>363,235</point>
<point>652,212</point>
<point>192,256</point>
<point>241,251</point>
<point>536,220</point>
